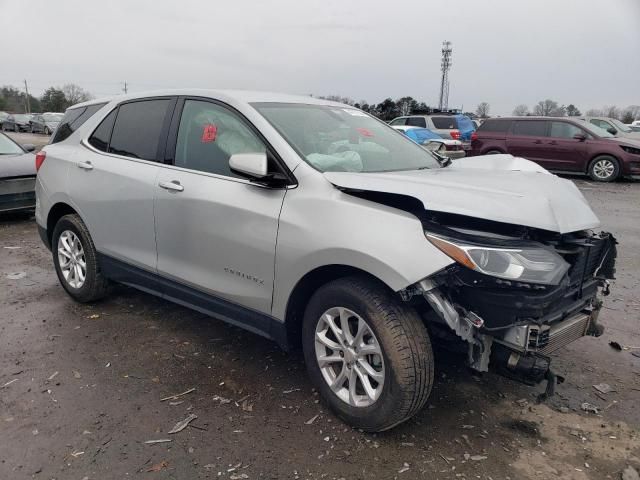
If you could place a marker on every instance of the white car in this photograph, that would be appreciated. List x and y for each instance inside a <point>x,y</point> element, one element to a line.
<point>446,147</point>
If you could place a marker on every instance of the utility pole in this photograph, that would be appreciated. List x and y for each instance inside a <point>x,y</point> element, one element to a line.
<point>125,89</point>
<point>445,65</point>
<point>26,92</point>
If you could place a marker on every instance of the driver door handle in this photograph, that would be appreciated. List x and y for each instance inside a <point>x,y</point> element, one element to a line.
<point>173,186</point>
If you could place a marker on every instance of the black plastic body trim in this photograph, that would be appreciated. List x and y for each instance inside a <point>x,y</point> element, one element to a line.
<point>44,236</point>
<point>155,284</point>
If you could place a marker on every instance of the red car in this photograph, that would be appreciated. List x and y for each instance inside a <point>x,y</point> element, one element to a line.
<point>560,144</point>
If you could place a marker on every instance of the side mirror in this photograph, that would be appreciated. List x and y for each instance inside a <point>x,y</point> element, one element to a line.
<point>612,130</point>
<point>29,147</point>
<point>251,165</point>
<point>580,136</point>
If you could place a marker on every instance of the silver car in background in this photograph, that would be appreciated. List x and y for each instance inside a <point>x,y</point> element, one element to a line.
<point>17,176</point>
<point>318,226</point>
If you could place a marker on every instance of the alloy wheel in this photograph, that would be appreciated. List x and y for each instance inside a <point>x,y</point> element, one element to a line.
<point>604,168</point>
<point>71,259</point>
<point>350,357</point>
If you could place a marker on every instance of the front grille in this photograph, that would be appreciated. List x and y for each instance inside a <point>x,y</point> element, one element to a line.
<point>563,333</point>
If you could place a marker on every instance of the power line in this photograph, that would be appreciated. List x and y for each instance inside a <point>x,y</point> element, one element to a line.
<point>445,65</point>
<point>125,89</point>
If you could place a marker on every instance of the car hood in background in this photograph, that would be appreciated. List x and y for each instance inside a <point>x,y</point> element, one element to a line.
<point>501,188</point>
<point>20,165</point>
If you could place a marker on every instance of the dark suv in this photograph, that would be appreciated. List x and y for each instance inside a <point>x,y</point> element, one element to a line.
<point>560,144</point>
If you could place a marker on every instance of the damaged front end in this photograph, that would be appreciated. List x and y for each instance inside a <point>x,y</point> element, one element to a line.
<point>515,298</point>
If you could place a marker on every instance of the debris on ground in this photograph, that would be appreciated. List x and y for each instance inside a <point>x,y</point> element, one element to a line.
<point>603,388</point>
<point>16,275</point>
<point>158,466</point>
<point>181,425</point>
<point>160,440</point>
<point>95,315</point>
<point>76,374</point>
<point>615,345</point>
<point>587,407</point>
<point>405,467</point>
<point>9,383</point>
<point>291,390</point>
<point>630,473</point>
<point>311,420</point>
<point>53,375</point>
<point>222,400</point>
<point>173,397</point>
<point>475,458</point>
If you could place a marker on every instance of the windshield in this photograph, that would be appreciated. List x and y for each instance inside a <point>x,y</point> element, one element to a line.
<point>620,126</point>
<point>22,118</point>
<point>599,132</point>
<point>52,117</point>
<point>342,139</point>
<point>8,147</point>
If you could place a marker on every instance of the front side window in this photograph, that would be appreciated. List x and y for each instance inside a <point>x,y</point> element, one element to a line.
<point>8,146</point>
<point>342,139</point>
<point>530,128</point>
<point>399,121</point>
<point>136,132</point>
<point>564,130</point>
<point>601,124</point>
<point>209,134</point>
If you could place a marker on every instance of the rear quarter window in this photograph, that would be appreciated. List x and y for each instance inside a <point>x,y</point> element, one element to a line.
<point>73,119</point>
<point>445,123</point>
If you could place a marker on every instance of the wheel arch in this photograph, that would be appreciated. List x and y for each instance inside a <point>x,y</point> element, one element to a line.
<point>307,286</point>
<point>56,212</point>
<point>602,154</point>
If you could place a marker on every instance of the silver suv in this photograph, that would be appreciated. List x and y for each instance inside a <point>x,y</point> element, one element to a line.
<point>316,225</point>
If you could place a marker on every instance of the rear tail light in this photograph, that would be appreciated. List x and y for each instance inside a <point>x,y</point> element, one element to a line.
<point>40,156</point>
<point>474,136</point>
<point>455,134</point>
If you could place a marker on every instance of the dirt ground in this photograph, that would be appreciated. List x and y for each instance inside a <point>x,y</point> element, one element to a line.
<point>82,389</point>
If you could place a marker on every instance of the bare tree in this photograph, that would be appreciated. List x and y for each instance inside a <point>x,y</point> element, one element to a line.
<point>521,110</point>
<point>594,112</point>
<point>483,110</point>
<point>611,111</point>
<point>545,107</point>
<point>75,94</point>
<point>632,112</point>
<point>560,111</point>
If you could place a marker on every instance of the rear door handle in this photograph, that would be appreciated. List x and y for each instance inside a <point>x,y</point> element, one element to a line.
<point>173,186</point>
<point>85,165</point>
<point>538,142</point>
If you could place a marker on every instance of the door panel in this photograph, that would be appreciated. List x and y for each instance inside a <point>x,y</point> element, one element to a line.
<point>115,199</point>
<point>563,152</point>
<point>527,139</point>
<point>218,235</point>
<point>216,231</point>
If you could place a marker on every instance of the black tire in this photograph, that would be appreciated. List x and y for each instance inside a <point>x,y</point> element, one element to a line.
<point>596,173</point>
<point>95,285</point>
<point>405,345</point>
<point>47,131</point>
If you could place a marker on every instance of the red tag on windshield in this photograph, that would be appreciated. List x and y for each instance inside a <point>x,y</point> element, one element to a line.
<point>364,132</point>
<point>209,133</point>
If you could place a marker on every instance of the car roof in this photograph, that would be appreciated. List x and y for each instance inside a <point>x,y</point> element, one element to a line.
<point>534,117</point>
<point>243,96</point>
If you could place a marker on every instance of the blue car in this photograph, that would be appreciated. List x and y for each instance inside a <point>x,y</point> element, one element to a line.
<point>425,137</point>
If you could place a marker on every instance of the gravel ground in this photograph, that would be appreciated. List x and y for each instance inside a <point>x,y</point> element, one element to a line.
<point>81,389</point>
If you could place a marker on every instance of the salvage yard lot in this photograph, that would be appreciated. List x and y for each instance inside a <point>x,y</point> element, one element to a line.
<point>81,389</point>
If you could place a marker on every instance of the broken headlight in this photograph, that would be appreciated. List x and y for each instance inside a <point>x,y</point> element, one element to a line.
<point>529,264</point>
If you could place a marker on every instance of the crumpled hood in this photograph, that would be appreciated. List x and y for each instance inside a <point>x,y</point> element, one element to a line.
<point>501,188</point>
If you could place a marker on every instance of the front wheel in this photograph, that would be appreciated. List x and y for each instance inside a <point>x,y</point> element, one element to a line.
<point>76,262</point>
<point>604,169</point>
<point>368,354</point>
<point>47,131</point>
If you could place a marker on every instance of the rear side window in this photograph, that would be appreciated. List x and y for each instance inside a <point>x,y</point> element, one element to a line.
<point>444,123</point>
<point>531,128</point>
<point>73,119</point>
<point>417,122</point>
<point>101,135</point>
<point>495,126</point>
<point>137,128</point>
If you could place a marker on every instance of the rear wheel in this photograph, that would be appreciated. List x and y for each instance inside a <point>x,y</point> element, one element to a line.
<point>368,354</point>
<point>47,131</point>
<point>604,168</point>
<point>75,260</point>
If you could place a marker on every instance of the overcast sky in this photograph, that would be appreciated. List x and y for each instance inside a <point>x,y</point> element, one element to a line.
<point>505,52</point>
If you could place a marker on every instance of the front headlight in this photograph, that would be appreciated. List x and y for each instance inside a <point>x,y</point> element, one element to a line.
<point>526,264</point>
